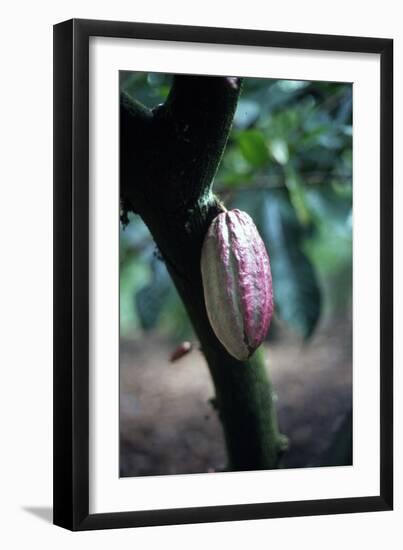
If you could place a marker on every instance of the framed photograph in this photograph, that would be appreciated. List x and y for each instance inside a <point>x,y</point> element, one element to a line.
<point>223,276</point>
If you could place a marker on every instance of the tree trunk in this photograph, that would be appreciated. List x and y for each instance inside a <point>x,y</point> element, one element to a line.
<point>169,157</point>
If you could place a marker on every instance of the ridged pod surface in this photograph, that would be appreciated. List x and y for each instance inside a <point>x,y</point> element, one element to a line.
<point>237,283</point>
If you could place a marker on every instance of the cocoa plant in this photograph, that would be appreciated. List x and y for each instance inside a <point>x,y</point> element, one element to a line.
<point>168,159</point>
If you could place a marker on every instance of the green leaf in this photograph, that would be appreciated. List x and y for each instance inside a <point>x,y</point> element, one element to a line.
<point>246,114</point>
<point>297,196</point>
<point>156,79</point>
<point>253,147</point>
<point>279,150</point>
<point>296,291</point>
<point>330,209</point>
<point>149,300</point>
<point>133,276</point>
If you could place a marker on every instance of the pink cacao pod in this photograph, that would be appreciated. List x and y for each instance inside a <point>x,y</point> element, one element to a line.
<point>237,283</point>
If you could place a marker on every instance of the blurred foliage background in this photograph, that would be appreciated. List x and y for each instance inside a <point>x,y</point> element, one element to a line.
<point>288,163</point>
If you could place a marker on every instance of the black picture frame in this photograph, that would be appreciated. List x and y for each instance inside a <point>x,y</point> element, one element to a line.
<point>71,274</point>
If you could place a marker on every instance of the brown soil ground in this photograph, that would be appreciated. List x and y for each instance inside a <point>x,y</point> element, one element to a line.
<point>168,426</point>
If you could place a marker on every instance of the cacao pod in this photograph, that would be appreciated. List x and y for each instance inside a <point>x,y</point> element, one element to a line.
<point>237,283</point>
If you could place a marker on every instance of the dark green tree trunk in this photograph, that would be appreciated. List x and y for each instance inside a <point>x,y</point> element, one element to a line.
<point>169,157</point>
